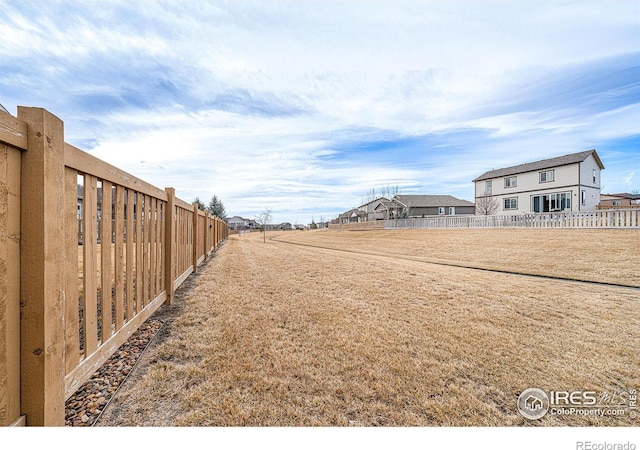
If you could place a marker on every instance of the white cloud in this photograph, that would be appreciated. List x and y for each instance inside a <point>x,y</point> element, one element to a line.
<point>272,102</point>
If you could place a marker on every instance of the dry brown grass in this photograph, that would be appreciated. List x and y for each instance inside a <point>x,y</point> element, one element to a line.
<point>603,255</point>
<point>271,334</point>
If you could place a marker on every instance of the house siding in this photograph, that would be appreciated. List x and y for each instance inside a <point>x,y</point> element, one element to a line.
<point>592,190</point>
<point>569,178</point>
<point>434,211</point>
<point>528,185</point>
<point>370,209</point>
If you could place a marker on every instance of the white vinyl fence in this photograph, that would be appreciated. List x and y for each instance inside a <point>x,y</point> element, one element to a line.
<point>611,218</point>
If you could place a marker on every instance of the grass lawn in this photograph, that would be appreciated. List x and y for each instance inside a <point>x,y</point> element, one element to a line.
<point>274,334</point>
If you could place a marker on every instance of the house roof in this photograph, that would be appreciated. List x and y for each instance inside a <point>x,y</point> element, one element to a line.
<point>626,195</point>
<point>353,212</point>
<point>430,201</point>
<point>379,199</point>
<point>389,204</point>
<point>572,158</point>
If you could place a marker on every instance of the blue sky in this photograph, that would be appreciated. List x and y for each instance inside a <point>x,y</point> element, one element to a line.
<point>304,106</point>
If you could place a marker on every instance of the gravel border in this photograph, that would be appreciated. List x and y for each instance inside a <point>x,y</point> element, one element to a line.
<point>85,406</point>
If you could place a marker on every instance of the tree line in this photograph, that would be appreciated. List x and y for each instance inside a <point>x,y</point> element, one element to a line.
<point>215,207</point>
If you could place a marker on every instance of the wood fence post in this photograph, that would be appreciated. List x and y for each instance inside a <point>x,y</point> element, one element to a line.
<point>216,231</point>
<point>170,243</point>
<point>195,237</point>
<point>207,235</point>
<point>42,367</point>
<point>205,232</point>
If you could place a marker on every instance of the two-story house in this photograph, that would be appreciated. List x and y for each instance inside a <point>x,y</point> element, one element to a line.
<point>240,223</point>
<point>566,183</point>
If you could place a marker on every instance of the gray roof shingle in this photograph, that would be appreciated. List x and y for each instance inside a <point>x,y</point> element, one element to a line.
<point>540,165</point>
<point>430,201</point>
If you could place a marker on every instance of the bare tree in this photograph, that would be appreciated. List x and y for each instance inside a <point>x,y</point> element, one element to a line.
<point>486,206</point>
<point>263,219</point>
<point>369,197</point>
<point>389,192</point>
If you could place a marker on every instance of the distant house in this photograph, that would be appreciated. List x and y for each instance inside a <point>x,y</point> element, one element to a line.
<point>353,215</point>
<point>284,226</point>
<point>371,209</point>
<point>389,209</point>
<point>99,202</point>
<point>238,223</point>
<point>622,200</point>
<point>415,206</point>
<point>565,183</point>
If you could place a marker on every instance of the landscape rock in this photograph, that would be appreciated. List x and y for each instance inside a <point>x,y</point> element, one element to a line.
<point>84,407</point>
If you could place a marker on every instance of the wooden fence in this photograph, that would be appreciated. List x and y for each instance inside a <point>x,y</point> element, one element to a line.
<point>79,274</point>
<point>358,226</point>
<point>607,218</point>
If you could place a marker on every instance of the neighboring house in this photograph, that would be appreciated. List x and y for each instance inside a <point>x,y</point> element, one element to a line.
<point>239,223</point>
<point>416,206</point>
<point>389,209</point>
<point>370,208</point>
<point>80,210</point>
<point>284,226</point>
<point>565,183</point>
<point>623,200</point>
<point>353,215</point>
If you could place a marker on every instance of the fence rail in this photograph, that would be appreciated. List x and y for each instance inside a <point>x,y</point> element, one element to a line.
<point>606,218</point>
<point>79,273</point>
<point>358,226</point>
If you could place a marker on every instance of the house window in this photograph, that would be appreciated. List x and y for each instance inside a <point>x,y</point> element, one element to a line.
<point>511,203</point>
<point>583,197</point>
<point>616,203</point>
<point>452,210</point>
<point>551,202</point>
<point>594,176</point>
<point>441,210</point>
<point>488,187</point>
<point>547,176</point>
<point>510,182</point>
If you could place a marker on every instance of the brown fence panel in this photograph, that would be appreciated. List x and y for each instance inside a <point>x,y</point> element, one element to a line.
<point>358,226</point>
<point>87,253</point>
<point>12,139</point>
<point>129,260</point>
<point>184,241</point>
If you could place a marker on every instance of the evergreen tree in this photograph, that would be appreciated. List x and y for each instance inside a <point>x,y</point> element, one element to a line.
<point>216,208</point>
<point>200,204</point>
